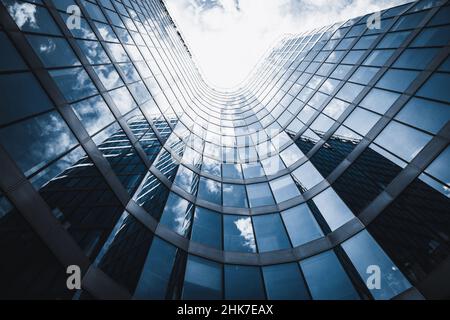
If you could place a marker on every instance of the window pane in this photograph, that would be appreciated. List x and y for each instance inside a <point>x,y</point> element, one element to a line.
<point>366,255</point>
<point>93,52</point>
<point>252,170</point>
<point>439,167</point>
<point>333,209</point>
<point>270,233</point>
<point>14,105</point>
<point>415,58</point>
<point>108,76</point>
<point>327,279</point>
<point>156,272</point>
<point>285,282</point>
<point>94,114</point>
<point>301,225</point>
<point>74,83</point>
<point>243,283</point>
<point>54,52</point>
<point>210,190</point>
<point>30,153</point>
<point>379,100</point>
<point>177,214</point>
<point>307,176</point>
<point>238,234</point>
<point>397,80</point>
<point>361,121</point>
<point>259,195</point>
<point>207,228</point>
<point>30,17</point>
<point>11,59</point>
<point>187,180</point>
<point>284,188</point>
<point>425,114</point>
<point>436,87</point>
<point>234,195</point>
<point>407,143</point>
<point>232,171</point>
<point>202,280</point>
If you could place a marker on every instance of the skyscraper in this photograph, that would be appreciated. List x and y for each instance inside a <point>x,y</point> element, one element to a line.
<point>325,176</point>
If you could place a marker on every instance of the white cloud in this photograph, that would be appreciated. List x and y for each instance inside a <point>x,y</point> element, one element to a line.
<point>227,37</point>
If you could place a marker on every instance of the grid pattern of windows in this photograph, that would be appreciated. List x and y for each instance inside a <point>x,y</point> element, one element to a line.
<point>116,156</point>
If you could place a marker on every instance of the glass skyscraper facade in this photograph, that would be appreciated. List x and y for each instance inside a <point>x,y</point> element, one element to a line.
<point>328,166</point>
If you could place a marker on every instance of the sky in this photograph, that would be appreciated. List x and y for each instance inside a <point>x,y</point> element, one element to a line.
<point>228,37</point>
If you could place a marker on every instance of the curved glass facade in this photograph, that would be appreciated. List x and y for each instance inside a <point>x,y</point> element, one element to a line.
<point>331,160</point>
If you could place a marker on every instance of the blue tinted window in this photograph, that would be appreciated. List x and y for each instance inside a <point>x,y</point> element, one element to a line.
<point>332,208</point>
<point>234,195</point>
<point>123,100</point>
<point>108,76</point>
<point>438,36</point>
<point>327,279</point>
<point>106,32</point>
<point>202,280</point>
<point>187,180</point>
<point>410,21</point>
<point>364,74</point>
<point>207,228</point>
<point>74,83</point>
<point>441,17</point>
<point>252,170</point>
<point>397,80</point>
<point>439,167</point>
<point>211,166</point>
<point>54,52</point>
<point>156,272</point>
<point>378,57</point>
<point>341,71</point>
<point>353,56</point>
<point>259,195</point>
<point>415,58</point>
<point>284,189</point>
<point>349,92</point>
<point>270,233</point>
<point>365,255</point>
<point>393,40</point>
<point>15,105</point>
<point>361,120</point>
<point>307,176</point>
<point>379,100</point>
<point>30,153</point>
<point>94,114</point>
<point>177,214</point>
<point>30,17</point>
<point>364,42</point>
<point>238,234</point>
<point>285,282</point>
<point>93,51</point>
<point>129,72</point>
<point>94,11</point>
<point>11,59</point>
<point>243,283</point>
<point>425,114</point>
<point>301,225</point>
<point>407,143</point>
<point>436,87</point>
<point>232,171</point>
<point>210,190</point>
